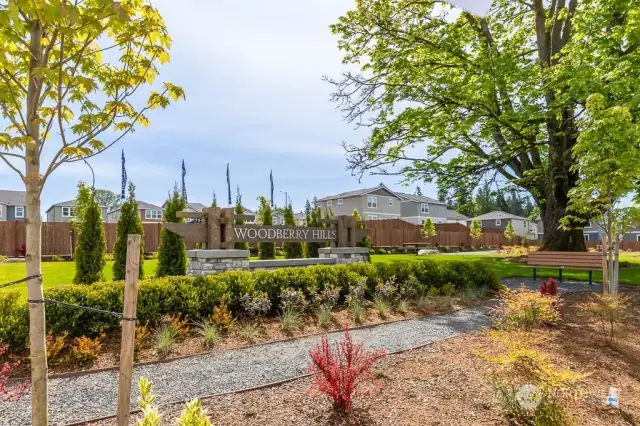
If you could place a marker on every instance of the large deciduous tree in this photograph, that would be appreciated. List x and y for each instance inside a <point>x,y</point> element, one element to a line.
<point>71,73</point>
<point>456,98</point>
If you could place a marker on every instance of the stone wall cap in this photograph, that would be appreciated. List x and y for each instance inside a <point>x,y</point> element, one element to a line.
<point>217,254</point>
<point>343,250</point>
<point>277,263</point>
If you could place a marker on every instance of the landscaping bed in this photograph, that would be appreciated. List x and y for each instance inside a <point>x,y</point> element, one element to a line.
<point>448,383</point>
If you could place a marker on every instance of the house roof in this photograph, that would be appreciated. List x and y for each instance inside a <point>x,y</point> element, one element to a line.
<point>454,215</point>
<point>357,193</point>
<point>198,207</point>
<point>141,205</point>
<point>419,198</point>
<point>13,198</point>
<point>70,203</point>
<point>499,215</point>
<point>301,215</point>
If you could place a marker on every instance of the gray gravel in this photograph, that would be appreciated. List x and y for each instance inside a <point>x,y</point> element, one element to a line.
<point>95,395</point>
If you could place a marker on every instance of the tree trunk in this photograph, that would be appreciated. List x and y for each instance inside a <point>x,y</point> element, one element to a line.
<point>616,265</point>
<point>37,342</point>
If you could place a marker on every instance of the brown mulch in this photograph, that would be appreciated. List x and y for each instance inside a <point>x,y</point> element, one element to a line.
<point>447,383</point>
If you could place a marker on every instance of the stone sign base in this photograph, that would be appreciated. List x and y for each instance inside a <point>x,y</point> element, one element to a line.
<point>207,262</point>
<point>345,254</point>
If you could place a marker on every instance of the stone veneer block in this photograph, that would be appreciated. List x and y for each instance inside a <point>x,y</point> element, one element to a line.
<point>217,254</point>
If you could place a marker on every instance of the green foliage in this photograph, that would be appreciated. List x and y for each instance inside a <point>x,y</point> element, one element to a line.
<point>525,309</point>
<point>238,210</point>
<point>448,289</point>
<point>14,321</point>
<point>509,231</point>
<point>150,414</point>
<point>428,229</point>
<point>291,250</point>
<point>357,311</point>
<point>108,199</point>
<point>610,312</point>
<point>366,240</point>
<point>433,292</point>
<point>249,331</point>
<point>313,221</point>
<point>291,320</point>
<point>172,255</point>
<point>82,201</point>
<point>265,217</point>
<point>165,338</point>
<point>475,230</point>
<point>382,306</point>
<point>128,223</point>
<point>90,251</point>
<point>208,331</point>
<point>324,315</point>
<point>194,415</point>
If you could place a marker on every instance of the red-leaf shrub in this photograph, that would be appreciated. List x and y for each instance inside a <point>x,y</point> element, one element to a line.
<point>339,372</point>
<point>549,287</point>
<point>15,391</point>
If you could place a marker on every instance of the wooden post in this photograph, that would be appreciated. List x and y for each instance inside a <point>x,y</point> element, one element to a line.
<point>128,329</point>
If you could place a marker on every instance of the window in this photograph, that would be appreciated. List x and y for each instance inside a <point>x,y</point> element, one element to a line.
<point>586,237</point>
<point>0,209</point>
<point>67,212</point>
<point>588,225</point>
<point>153,214</point>
<point>329,203</point>
<point>424,208</point>
<point>638,237</point>
<point>340,201</point>
<point>498,222</point>
<point>319,204</point>
<point>19,211</point>
<point>372,216</point>
<point>372,202</point>
<point>390,202</point>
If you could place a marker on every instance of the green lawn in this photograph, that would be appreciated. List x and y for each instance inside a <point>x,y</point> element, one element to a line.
<point>58,273</point>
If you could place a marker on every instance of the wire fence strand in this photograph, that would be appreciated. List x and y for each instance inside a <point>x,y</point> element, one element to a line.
<point>21,280</point>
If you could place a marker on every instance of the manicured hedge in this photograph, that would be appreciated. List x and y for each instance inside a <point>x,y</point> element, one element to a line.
<point>196,297</point>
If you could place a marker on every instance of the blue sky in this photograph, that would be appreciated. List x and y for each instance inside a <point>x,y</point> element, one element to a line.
<point>252,72</point>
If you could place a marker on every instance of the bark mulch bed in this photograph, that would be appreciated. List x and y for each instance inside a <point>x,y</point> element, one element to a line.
<point>447,383</point>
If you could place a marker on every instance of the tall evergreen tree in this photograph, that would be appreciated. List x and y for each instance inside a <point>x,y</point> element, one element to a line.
<point>128,223</point>
<point>365,241</point>
<point>292,250</point>
<point>239,210</point>
<point>172,252</point>
<point>214,203</point>
<point>89,253</point>
<point>307,208</point>
<point>311,249</point>
<point>419,192</point>
<point>265,250</point>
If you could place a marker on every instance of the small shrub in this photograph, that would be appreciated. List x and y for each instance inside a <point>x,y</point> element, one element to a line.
<point>525,309</point>
<point>357,311</point>
<point>55,345</point>
<point>180,325</point>
<point>386,290</point>
<point>433,292</point>
<point>208,331</point>
<point>411,287</point>
<point>85,349</point>
<point>142,336</point>
<point>290,320</point>
<point>424,303</point>
<point>328,297</point>
<point>222,317</point>
<point>549,287</point>
<point>381,306</point>
<point>108,257</point>
<point>13,392</point>
<point>402,307</point>
<point>324,315</point>
<point>249,331</point>
<point>194,415</point>
<point>165,337</point>
<point>357,292</point>
<point>443,303</point>
<point>294,300</point>
<point>256,305</point>
<point>610,312</point>
<point>338,373</point>
<point>448,289</point>
<point>470,294</point>
<point>150,414</point>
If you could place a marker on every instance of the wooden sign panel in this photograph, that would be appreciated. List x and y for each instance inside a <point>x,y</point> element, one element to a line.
<point>283,234</point>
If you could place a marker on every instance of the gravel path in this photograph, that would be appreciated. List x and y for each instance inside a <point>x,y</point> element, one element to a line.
<point>95,395</point>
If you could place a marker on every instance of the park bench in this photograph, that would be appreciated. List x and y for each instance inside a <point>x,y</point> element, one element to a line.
<point>565,260</point>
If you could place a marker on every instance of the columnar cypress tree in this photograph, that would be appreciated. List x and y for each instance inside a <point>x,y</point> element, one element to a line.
<point>129,223</point>
<point>311,249</point>
<point>239,209</point>
<point>172,254</point>
<point>265,250</point>
<point>366,241</point>
<point>291,250</point>
<point>89,254</point>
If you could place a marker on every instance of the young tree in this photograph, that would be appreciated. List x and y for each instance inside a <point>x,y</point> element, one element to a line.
<point>501,93</point>
<point>83,201</point>
<point>128,223</point>
<point>313,221</point>
<point>89,253</point>
<point>366,240</point>
<point>510,232</point>
<point>428,229</point>
<point>475,230</point>
<point>61,95</point>
<point>239,210</point>
<point>265,217</point>
<point>292,250</point>
<point>172,252</point>
<point>608,162</point>
<point>214,203</point>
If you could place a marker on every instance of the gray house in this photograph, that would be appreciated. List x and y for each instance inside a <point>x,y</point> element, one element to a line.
<point>416,208</point>
<point>148,213</point>
<point>499,220</point>
<point>64,212</point>
<point>371,203</point>
<point>455,217</point>
<point>13,205</point>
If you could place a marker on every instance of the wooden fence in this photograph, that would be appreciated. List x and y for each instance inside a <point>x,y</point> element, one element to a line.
<point>58,238</point>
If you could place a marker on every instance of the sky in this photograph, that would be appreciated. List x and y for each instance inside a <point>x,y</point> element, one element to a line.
<point>252,73</point>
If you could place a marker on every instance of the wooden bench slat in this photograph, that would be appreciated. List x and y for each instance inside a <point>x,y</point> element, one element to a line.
<point>589,260</point>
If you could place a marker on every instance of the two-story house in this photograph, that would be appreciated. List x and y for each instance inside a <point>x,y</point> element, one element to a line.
<point>499,220</point>
<point>65,211</point>
<point>13,205</point>
<point>300,219</point>
<point>416,208</point>
<point>148,213</point>
<point>371,203</point>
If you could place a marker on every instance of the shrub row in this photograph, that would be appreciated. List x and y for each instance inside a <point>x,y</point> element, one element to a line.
<point>195,297</point>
